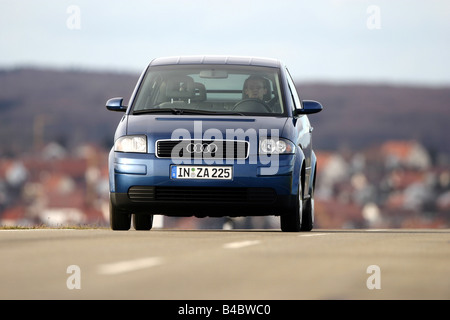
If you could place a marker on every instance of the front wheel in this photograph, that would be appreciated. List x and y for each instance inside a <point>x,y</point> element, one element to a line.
<point>308,215</point>
<point>142,221</point>
<point>118,219</point>
<point>292,220</point>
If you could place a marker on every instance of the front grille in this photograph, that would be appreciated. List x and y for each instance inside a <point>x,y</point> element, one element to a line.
<point>203,149</point>
<point>202,194</point>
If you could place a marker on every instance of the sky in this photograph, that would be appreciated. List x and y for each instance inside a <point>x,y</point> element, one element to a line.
<point>374,41</point>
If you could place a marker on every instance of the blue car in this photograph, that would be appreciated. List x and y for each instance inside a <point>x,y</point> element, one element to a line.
<point>213,136</point>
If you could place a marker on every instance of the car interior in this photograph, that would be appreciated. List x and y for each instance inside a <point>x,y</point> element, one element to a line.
<point>182,91</point>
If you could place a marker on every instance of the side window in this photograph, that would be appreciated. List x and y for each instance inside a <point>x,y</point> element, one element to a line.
<point>293,90</point>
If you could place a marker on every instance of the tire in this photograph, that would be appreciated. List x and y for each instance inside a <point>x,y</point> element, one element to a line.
<point>308,215</point>
<point>292,221</point>
<point>142,221</point>
<point>118,219</point>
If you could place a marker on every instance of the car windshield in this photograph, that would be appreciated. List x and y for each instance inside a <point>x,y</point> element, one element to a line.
<point>210,89</point>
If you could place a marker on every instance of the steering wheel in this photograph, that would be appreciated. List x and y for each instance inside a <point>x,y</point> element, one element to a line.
<point>272,101</point>
<point>251,102</point>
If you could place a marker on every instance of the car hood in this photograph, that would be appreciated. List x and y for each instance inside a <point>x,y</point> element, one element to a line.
<point>168,126</point>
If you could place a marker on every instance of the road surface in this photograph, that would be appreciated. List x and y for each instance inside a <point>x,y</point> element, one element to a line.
<point>224,264</point>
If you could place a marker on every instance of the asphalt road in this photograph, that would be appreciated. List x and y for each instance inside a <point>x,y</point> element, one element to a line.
<point>224,264</point>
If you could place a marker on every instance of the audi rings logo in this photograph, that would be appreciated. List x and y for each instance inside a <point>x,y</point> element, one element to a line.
<point>201,148</point>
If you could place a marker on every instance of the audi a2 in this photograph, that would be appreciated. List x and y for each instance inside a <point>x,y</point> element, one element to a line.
<point>213,136</point>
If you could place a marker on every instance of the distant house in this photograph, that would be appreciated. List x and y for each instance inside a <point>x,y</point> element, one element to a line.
<point>443,202</point>
<point>11,216</point>
<point>410,154</point>
<point>55,187</point>
<point>336,214</point>
<point>331,169</point>
<point>57,217</point>
<point>14,172</point>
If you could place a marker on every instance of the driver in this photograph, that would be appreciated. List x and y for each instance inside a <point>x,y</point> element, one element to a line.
<point>255,88</point>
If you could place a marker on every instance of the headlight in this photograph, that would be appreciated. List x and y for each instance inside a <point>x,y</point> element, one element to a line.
<point>276,146</point>
<point>131,144</point>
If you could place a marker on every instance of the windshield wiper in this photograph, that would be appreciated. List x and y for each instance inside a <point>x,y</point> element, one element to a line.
<point>162,110</point>
<point>231,113</point>
<point>191,111</point>
<point>184,111</point>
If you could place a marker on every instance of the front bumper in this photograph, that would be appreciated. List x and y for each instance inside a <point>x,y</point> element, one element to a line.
<point>142,183</point>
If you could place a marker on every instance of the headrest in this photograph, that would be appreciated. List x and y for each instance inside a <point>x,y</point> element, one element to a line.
<point>199,92</point>
<point>180,87</point>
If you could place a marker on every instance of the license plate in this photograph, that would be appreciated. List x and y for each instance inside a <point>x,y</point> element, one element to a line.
<point>201,172</point>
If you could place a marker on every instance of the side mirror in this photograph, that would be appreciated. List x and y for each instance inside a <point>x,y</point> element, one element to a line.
<point>115,104</point>
<point>309,107</point>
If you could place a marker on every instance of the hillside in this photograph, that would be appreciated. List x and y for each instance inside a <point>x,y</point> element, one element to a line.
<point>358,116</point>
<point>38,106</point>
<point>67,106</point>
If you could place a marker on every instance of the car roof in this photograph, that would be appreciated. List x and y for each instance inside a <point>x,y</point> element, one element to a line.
<point>209,59</point>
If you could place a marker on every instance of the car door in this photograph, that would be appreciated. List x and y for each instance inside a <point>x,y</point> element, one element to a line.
<point>304,130</point>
